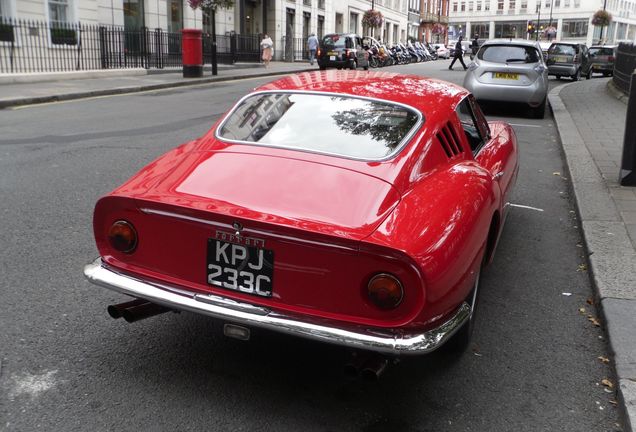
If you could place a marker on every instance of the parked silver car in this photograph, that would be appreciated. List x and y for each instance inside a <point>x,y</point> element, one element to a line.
<point>509,71</point>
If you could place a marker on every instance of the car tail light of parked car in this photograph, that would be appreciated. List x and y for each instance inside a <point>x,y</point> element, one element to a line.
<point>385,291</point>
<point>123,236</point>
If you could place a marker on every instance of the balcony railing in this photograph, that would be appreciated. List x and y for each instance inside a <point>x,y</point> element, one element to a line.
<point>429,17</point>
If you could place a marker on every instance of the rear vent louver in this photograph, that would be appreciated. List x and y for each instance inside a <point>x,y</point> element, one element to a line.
<point>449,141</point>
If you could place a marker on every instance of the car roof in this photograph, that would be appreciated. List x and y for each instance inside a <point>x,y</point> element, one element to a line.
<point>340,34</point>
<point>604,46</point>
<point>427,95</point>
<point>567,43</point>
<point>523,42</point>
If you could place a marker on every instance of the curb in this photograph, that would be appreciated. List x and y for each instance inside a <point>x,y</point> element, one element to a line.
<point>36,77</point>
<point>611,256</point>
<point>136,89</point>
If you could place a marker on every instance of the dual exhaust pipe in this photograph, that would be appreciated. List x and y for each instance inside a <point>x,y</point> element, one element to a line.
<point>368,366</point>
<point>136,310</point>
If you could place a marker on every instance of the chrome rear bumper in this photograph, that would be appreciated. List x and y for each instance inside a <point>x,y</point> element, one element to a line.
<point>334,332</point>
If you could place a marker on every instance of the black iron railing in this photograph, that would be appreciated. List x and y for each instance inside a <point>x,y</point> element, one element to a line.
<point>624,65</point>
<point>36,46</point>
<point>294,49</point>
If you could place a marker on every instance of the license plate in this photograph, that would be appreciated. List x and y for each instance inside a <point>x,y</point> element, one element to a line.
<point>240,268</point>
<point>560,59</point>
<point>508,76</point>
<point>332,58</point>
<point>596,67</point>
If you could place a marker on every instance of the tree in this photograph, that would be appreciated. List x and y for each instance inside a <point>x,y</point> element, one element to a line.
<point>210,6</point>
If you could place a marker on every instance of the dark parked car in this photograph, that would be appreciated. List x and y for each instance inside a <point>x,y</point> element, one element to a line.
<point>601,60</point>
<point>342,50</point>
<point>567,59</point>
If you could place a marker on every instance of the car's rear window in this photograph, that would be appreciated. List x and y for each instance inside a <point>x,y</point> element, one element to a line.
<point>559,49</point>
<point>335,41</point>
<point>339,125</point>
<point>601,51</point>
<point>509,54</point>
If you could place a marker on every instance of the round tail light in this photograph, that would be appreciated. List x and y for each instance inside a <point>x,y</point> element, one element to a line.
<point>123,236</point>
<point>385,291</point>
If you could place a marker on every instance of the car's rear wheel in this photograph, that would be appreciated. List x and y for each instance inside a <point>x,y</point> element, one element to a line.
<point>539,112</point>
<point>577,75</point>
<point>460,341</point>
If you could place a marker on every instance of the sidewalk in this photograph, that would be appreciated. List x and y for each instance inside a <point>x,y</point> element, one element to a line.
<point>591,123</point>
<point>590,120</point>
<point>40,88</point>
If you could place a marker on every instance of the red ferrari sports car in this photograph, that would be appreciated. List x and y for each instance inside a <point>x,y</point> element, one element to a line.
<point>348,207</point>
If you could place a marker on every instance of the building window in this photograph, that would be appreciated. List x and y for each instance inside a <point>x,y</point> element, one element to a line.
<point>321,26</point>
<point>454,6</point>
<point>566,3</point>
<point>500,5</point>
<point>353,22</point>
<point>480,29</point>
<point>487,5</point>
<point>512,5</point>
<point>61,23</point>
<point>470,6</point>
<point>574,28</point>
<point>557,3</point>
<point>478,6</point>
<point>524,5</point>
<point>463,6</point>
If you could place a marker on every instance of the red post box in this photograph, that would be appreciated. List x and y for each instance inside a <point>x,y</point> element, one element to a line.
<point>192,49</point>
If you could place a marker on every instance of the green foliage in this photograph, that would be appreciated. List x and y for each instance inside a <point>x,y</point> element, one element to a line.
<point>211,4</point>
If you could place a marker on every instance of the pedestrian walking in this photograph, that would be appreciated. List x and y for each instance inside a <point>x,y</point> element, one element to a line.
<point>474,47</point>
<point>459,55</point>
<point>312,45</point>
<point>267,45</point>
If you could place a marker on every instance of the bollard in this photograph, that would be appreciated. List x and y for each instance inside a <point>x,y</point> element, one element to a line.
<point>192,49</point>
<point>627,176</point>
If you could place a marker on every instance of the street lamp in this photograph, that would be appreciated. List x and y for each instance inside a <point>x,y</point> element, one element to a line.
<point>538,19</point>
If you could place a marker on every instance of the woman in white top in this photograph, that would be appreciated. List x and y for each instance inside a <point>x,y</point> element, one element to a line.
<point>268,49</point>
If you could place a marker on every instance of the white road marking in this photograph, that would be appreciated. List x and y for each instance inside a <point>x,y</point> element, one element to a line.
<point>32,385</point>
<point>526,207</point>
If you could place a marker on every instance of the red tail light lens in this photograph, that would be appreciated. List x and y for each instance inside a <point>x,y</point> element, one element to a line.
<point>123,236</point>
<point>610,58</point>
<point>318,52</point>
<point>385,291</point>
<point>576,58</point>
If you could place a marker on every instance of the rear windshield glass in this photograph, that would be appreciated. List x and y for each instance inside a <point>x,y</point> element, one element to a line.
<point>336,41</point>
<point>339,125</point>
<point>562,49</point>
<point>509,54</point>
<point>601,51</point>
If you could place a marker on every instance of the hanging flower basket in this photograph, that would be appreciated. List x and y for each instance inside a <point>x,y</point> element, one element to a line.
<point>373,18</point>
<point>437,29</point>
<point>601,18</point>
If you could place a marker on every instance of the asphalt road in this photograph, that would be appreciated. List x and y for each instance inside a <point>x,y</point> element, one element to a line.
<point>66,366</point>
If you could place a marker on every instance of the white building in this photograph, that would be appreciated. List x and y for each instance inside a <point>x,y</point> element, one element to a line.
<point>571,18</point>
<point>279,18</point>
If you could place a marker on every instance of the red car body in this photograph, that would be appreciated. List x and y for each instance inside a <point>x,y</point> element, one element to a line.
<point>429,215</point>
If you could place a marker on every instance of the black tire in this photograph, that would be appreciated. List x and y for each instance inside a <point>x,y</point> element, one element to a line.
<point>353,65</point>
<point>373,62</point>
<point>460,341</point>
<point>577,75</point>
<point>558,77</point>
<point>539,112</point>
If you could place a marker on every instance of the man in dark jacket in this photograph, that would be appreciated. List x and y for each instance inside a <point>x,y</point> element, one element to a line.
<point>459,55</point>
